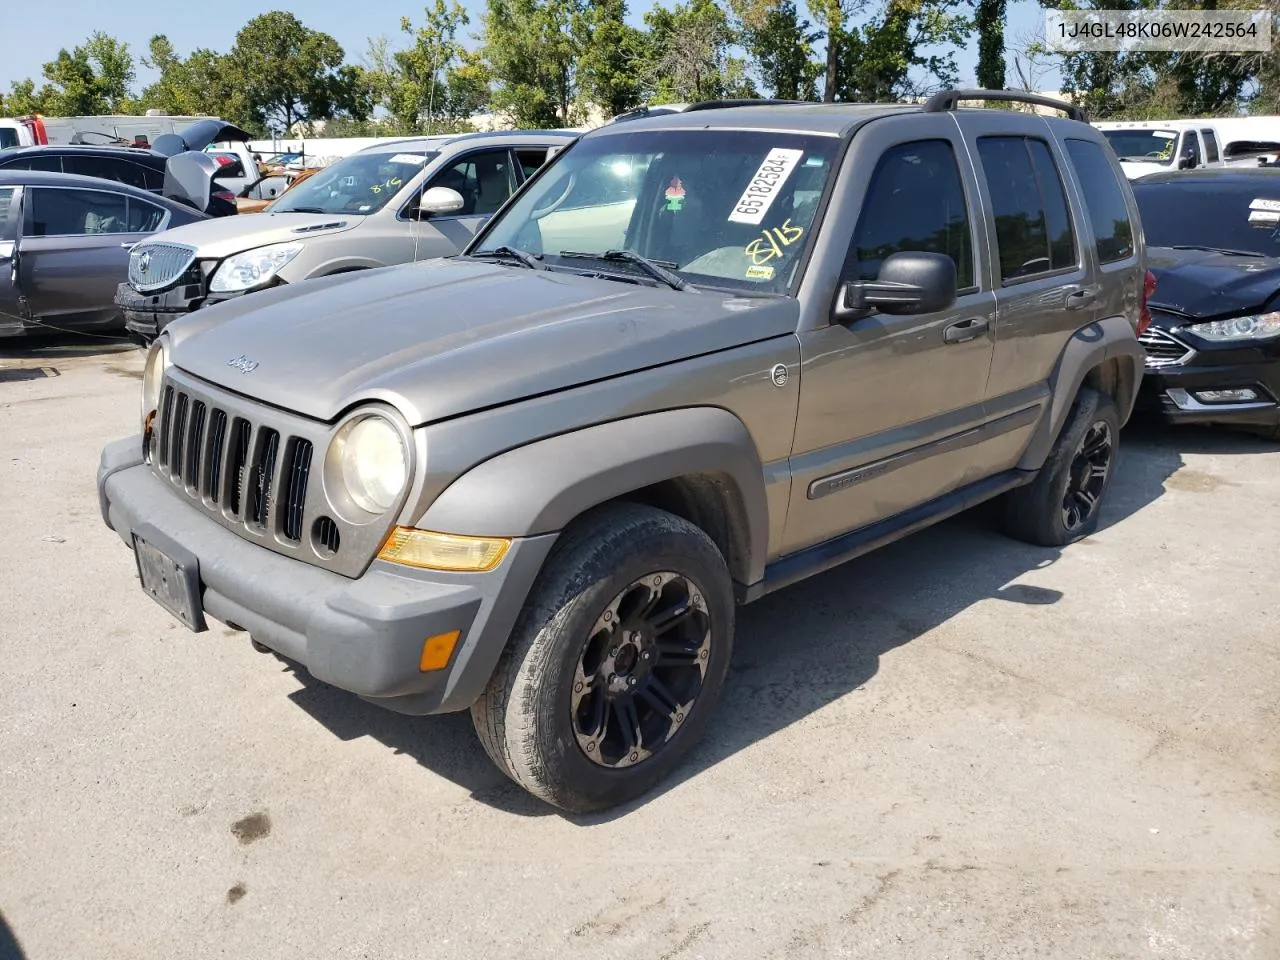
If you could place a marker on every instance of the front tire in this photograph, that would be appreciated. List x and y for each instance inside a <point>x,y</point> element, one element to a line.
<point>1064,502</point>
<point>614,667</point>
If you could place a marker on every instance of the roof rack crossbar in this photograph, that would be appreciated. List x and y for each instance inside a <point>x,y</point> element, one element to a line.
<point>947,100</point>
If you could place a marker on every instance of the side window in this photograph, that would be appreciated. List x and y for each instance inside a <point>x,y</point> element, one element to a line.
<point>1103,200</point>
<point>44,162</point>
<point>89,166</point>
<point>916,202</point>
<point>63,213</point>
<point>143,217</point>
<point>1033,226</point>
<point>152,179</point>
<point>1191,146</point>
<point>1210,146</point>
<point>6,208</point>
<point>531,160</point>
<point>484,179</point>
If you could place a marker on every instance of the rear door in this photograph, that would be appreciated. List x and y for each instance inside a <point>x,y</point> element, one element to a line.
<point>74,250</point>
<point>1045,284</point>
<point>10,214</point>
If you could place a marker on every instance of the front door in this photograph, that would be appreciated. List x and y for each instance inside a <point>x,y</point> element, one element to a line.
<point>890,406</point>
<point>74,249</point>
<point>485,179</point>
<point>10,312</point>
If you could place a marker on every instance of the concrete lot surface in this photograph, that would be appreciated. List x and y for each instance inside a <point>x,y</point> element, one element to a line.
<point>960,747</point>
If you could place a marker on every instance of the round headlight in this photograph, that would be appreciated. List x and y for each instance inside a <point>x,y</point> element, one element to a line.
<point>152,376</point>
<point>374,464</point>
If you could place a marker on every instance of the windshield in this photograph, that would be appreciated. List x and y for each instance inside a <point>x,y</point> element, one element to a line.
<point>1146,146</point>
<point>362,183</point>
<point>716,207</point>
<point>1239,215</point>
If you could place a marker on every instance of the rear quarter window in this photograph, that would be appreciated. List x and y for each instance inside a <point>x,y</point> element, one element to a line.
<point>1103,200</point>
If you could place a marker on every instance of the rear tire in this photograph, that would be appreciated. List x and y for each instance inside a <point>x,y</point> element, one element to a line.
<point>1064,502</point>
<point>616,662</point>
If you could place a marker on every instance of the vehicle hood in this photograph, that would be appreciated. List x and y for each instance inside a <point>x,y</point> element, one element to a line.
<point>1133,169</point>
<point>1203,284</point>
<point>198,135</point>
<point>444,337</point>
<point>222,236</point>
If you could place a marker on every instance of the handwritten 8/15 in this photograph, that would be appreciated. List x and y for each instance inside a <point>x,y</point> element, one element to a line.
<point>770,243</point>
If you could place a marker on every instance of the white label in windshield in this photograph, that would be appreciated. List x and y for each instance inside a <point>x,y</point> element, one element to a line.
<point>1164,135</point>
<point>764,186</point>
<point>412,158</point>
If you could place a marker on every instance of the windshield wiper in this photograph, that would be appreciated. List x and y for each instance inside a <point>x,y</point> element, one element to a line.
<point>304,210</point>
<point>530,260</point>
<point>655,268</point>
<point>1227,250</point>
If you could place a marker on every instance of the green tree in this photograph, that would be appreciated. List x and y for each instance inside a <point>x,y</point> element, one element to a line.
<point>611,51</point>
<point>292,73</point>
<point>885,58</point>
<point>689,54</point>
<point>92,78</point>
<point>531,54</point>
<point>989,21</point>
<point>781,42</point>
<point>206,83</point>
<point>419,85</point>
<point>23,99</point>
<point>832,16</point>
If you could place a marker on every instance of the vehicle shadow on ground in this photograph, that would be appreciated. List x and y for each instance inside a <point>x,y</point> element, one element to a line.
<point>10,949</point>
<point>809,645</point>
<point>32,350</point>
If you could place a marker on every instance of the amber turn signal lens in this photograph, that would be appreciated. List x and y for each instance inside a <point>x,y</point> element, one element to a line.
<point>437,650</point>
<point>443,551</point>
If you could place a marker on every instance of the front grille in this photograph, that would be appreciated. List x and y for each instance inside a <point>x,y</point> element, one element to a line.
<point>249,473</point>
<point>1163,350</point>
<point>154,266</point>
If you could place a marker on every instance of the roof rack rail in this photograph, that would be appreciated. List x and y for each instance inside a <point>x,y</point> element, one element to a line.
<point>946,100</point>
<point>724,104</point>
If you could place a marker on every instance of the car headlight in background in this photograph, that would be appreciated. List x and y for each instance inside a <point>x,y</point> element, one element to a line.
<point>152,377</point>
<point>372,462</point>
<point>1256,327</point>
<point>250,269</point>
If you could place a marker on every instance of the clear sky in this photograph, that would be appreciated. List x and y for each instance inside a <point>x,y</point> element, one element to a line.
<point>34,32</point>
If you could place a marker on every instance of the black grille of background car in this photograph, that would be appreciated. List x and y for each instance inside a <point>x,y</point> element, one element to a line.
<point>1163,350</point>
<point>164,264</point>
<point>248,472</point>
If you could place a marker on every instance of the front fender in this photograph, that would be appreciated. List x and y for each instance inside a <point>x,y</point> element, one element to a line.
<point>541,487</point>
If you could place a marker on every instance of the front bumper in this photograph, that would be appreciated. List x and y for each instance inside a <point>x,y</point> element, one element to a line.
<point>147,314</point>
<point>1171,392</point>
<point>363,635</point>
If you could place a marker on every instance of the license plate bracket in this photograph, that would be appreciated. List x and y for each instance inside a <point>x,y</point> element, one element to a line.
<point>169,575</point>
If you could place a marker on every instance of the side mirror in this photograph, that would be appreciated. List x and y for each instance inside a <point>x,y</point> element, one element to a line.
<point>909,282</point>
<point>439,200</point>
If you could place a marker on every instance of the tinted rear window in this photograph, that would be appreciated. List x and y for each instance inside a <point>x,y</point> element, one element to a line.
<point>1103,199</point>
<point>1033,227</point>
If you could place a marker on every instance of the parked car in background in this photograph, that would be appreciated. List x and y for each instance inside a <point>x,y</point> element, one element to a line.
<point>1150,146</point>
<point>1213,346</point>
<point>394,202</point>
<point>137,167</point>
<point>64,247</point>
<point>272,185</point>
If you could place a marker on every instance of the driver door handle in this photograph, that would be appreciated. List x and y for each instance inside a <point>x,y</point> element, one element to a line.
<point>1081,299</point>
<point>964,330</point>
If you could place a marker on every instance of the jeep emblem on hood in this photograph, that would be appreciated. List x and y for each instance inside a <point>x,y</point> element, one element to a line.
<point>243,364</point>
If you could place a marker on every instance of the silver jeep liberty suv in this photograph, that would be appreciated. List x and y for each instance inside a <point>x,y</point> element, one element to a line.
<point>695,358</point>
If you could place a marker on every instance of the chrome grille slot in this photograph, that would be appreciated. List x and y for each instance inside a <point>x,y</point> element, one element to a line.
<point>262,477</point>
<point>241,432</point>
<point>191,471</point>
<point>178,436</point>
<point>166,409</point>
<point>1163,350</point>
<point>297,473</point>
<point>153,266</point>
<point>217,451</point>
